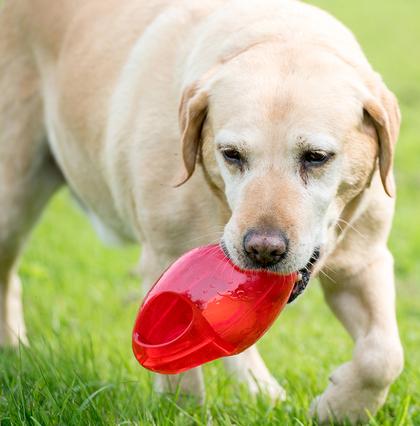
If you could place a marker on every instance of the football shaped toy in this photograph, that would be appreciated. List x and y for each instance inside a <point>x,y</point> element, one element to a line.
<point>204,307</point>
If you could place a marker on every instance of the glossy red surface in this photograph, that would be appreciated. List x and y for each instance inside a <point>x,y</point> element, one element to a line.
<point>204,307</point>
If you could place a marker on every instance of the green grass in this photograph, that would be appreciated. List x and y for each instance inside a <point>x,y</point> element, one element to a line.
<point>79,304</point>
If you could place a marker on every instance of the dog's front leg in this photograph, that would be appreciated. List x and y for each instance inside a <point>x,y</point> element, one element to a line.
<point>365,304</point>
<point>190,383</point>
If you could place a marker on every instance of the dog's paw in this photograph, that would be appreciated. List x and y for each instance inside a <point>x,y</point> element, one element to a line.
<point>267,386</point>
<point>345,399</point>
<point>12,340</point>
<point>188,387</point>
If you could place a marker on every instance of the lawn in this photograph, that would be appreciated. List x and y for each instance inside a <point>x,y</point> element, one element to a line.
<point>80,301</point>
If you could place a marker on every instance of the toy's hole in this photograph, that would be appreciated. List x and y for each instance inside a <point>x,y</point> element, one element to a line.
<point>165,318</point>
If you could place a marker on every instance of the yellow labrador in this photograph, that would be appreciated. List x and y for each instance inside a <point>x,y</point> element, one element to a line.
<point>287,139</point>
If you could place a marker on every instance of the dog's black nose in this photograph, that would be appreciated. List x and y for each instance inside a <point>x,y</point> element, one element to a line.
<point>265,247</point>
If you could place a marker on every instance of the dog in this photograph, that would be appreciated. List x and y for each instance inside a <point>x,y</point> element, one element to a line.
<point>259,124</point>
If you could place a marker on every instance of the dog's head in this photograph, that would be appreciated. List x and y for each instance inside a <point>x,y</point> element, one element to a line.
<point>288,138</point>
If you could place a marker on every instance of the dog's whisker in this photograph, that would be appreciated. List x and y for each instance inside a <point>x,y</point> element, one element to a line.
<point>340,227</point>
<point>332,270</point>
<point>330,278</point>
<point>350,226</point>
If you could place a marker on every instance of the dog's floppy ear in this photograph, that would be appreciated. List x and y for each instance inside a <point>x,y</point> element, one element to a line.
<point>192,113</point>
<point>382,108</point>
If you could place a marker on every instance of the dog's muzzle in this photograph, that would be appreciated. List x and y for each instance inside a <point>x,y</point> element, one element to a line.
<point>304,273</point>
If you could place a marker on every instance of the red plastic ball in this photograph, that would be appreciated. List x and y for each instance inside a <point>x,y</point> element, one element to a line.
<point>204,307</point>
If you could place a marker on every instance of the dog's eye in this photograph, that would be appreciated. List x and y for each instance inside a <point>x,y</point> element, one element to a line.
<point>232,156</point>
<point>315,158</point>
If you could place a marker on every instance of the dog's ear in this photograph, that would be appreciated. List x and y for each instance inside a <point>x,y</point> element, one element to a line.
<point>382,108</point>
<point>192,114</point>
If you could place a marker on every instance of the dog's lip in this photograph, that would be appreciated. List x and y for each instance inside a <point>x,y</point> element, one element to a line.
<point>312,261</point>
<point>304,275</point>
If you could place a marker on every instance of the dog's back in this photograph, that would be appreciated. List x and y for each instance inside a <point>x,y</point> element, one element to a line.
<point>74,55</point>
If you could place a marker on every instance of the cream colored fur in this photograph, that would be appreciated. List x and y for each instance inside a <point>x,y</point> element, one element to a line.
<point>100,94</point>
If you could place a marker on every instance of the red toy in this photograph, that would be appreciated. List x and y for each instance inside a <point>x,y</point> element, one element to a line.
<point>204,307</point>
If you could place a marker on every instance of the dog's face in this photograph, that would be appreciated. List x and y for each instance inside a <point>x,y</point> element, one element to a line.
<point>289,142</point>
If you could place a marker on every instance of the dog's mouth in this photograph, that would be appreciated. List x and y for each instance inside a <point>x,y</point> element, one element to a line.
<point>304,274</point>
